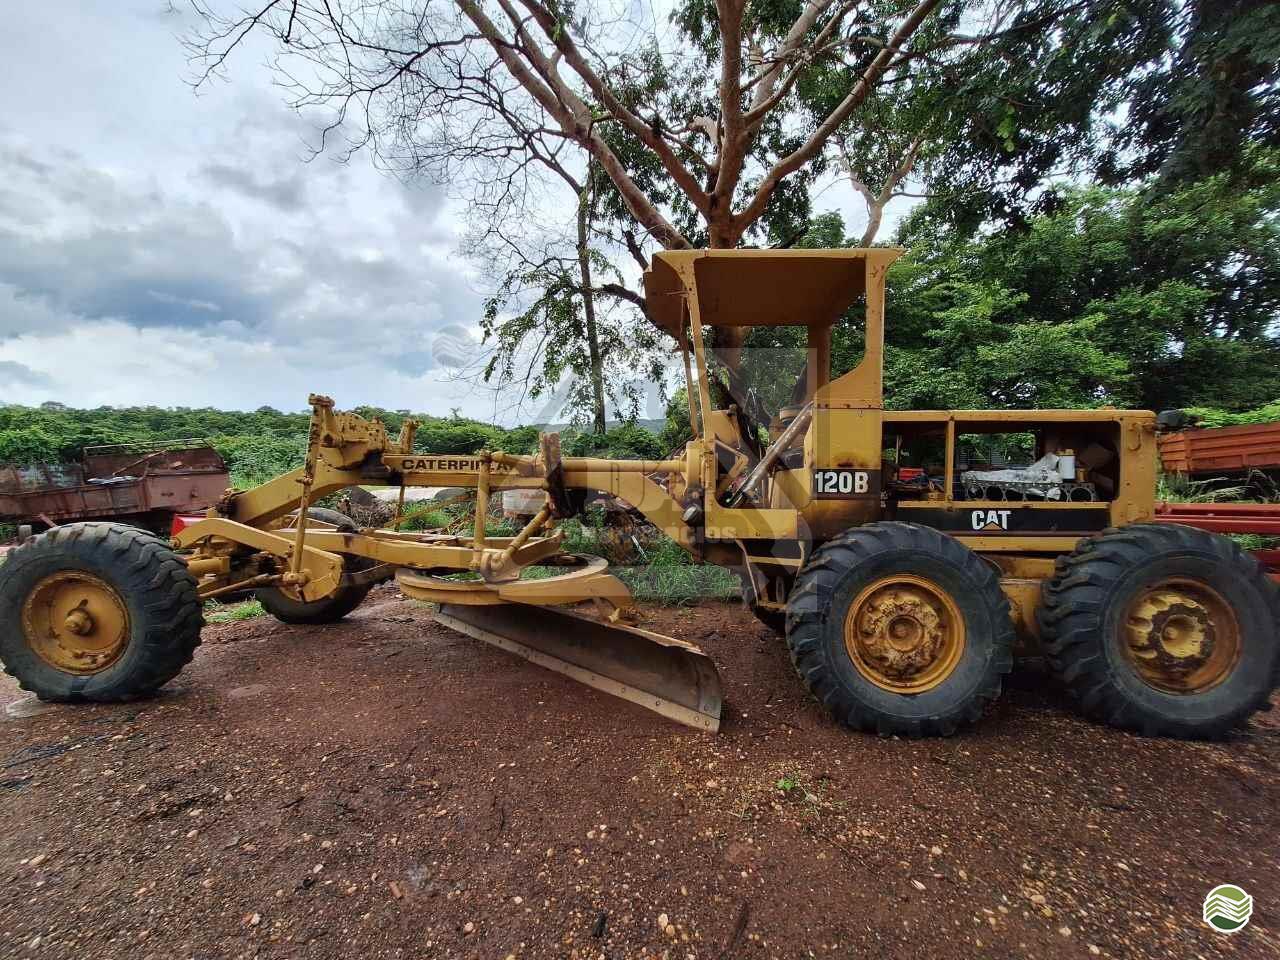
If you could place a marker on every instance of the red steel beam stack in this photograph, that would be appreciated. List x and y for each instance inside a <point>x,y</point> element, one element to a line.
<point>1262,519</point>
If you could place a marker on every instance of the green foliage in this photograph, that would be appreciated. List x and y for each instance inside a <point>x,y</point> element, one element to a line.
<point>678,429</point>
<point>257,445</point>
<point>1212,417</point>
<point>32,445</point>
<point>253,460</point>
<point>537,325</point>
<point>624,442</point>
<point>991,124</point>
<point>661,571</point>
<point>460,436</point>
<point>425,516</point>
<point>1194,114</point>
<point>1120,296</point>
<point>670,575</point>
<point>520,440</point>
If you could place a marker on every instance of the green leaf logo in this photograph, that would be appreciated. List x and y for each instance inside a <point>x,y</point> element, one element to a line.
<point>1227,908</point>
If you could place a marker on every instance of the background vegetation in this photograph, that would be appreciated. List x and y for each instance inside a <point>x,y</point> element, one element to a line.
<point>257,445</point>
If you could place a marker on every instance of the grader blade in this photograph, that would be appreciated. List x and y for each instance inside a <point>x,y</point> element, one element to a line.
<point>674,679</point>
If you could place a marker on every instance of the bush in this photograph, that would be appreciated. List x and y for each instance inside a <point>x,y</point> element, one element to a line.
<point>671,576</point>
<point>1212,417</point>
<point>24,447</point>
<point>258,444</point>
<point>662,571</point>
<point>626,442</point>
<point>443,436</point>
<point>255,460</point>
<point>678,429</point>
<point>425,516</point>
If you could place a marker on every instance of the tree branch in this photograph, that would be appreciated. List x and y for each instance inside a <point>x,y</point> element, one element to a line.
<point>649,134</point>
<point>622,293</point>
<point>855,97</point>
<point>576,120</point>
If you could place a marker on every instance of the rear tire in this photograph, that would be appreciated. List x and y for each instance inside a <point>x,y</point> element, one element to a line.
<point>329,609</point>
<point>96,611</point>
<point>900,629</point>
<point>1163,629</point>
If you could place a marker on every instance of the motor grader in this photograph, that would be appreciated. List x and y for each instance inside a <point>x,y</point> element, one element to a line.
<point>902,569</point>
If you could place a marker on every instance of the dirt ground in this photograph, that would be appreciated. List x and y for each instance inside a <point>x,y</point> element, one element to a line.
<point>387,788</point>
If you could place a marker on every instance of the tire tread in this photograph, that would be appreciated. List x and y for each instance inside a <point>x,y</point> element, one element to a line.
<point>1072,614</point>
<point>809,606</point>
<point>147,572</point>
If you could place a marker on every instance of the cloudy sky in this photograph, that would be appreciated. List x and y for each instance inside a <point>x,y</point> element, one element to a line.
<point>162,247</point>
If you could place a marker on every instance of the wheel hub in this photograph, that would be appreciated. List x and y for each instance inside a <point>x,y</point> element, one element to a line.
<point>79,621</point>
<point>1181,637</point>
<point>904,634</point>
<point>76,622</point>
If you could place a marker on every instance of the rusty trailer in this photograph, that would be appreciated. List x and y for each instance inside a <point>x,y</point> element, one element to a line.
<point>1222,450</point>
<point>144,484</point>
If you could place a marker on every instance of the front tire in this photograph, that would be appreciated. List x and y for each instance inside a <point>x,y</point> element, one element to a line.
<point>900,629</point>
<point>1163,629</point>
<point>96,611</point>
<point>328,609</point>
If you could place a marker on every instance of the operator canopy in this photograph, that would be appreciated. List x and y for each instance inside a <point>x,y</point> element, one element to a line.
<point>761,288</point>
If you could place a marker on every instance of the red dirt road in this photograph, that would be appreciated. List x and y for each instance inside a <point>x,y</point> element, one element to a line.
<point>387,788</point>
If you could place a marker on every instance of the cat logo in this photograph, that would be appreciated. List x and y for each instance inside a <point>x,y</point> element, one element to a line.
<point>990,519</point>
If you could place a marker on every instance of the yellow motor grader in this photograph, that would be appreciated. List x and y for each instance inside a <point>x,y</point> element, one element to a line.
<point>901,557</point>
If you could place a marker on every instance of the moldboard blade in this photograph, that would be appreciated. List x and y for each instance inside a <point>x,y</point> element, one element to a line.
<point>667,676</point>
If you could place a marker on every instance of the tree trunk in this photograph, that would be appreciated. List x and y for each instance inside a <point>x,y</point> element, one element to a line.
<point>726,342</point>
<point>875,216</point>
<point>586,205</point>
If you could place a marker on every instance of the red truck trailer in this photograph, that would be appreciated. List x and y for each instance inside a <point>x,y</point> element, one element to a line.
<point>1222,450</point>
<point>1225,452</point>
<point>143,484</point>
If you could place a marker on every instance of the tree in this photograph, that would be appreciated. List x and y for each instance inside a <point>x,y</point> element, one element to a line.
<point>558,331</point>
<point>1218,91</point>
<point>1118,296</point>
<point>1114,92</point>
<point>984,137</point>
<point>545,320</point>
<point>703,137</point>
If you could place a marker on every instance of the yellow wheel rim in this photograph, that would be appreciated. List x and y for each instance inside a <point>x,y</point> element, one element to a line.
<point>76,622</point>
<point>1181,637</point>
<point>904,633</point>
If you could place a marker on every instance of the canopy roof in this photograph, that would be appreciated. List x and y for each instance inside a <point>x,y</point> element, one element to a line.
<point>747,288</point>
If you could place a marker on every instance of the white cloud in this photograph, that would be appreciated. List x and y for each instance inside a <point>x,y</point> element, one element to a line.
<point>110,362</point>
<point>162,247</point>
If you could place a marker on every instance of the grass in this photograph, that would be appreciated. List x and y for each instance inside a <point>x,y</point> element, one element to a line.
<point>215,612</point>
<point>425,517</point>
<point>653,566</point>
<point>1255,541</point>
<point>1177,488</point>
<point>672,576</point>
<point>454,517</point>
<point>1258,487</point>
